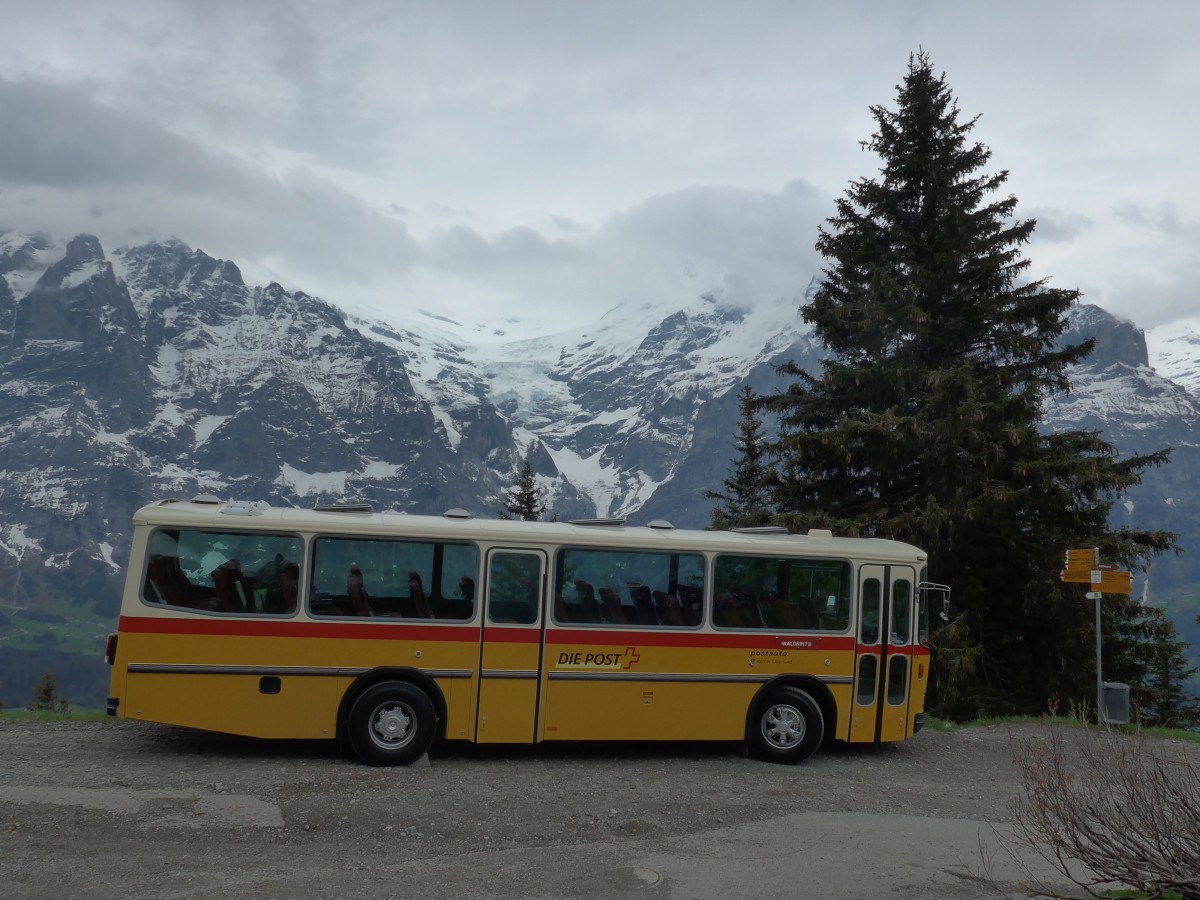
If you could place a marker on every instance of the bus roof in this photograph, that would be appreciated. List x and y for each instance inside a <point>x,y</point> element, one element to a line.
<point>459,525</point>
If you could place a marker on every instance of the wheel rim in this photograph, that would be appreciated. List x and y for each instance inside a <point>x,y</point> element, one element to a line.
<point>783,726</point>
<point>393,725</point>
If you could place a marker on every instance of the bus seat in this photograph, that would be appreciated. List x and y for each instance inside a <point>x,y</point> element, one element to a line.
<point>416,593</point>
<point>804,613</point>
<point>590,605</point>
<point>166,583</point>
<point>642,603</point>
<point>775,613</point>
<point>726,612</point>
<point>560,609</point>
<point>669,610</point>
<point>612,607</point>
<point>226,577</point>
<point>359,601</point>
<point>289,591</point>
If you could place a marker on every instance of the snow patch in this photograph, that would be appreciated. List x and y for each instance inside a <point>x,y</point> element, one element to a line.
<point>205,426</point>
<point>106,551</point>
<point>83,274</point>
<point>308,483</point>
<point>380,470</point>
<point>16,543</point>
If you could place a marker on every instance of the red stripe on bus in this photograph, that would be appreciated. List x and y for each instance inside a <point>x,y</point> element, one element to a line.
<point>512,635</point>
<point>247,628</point>
<point>470,632</point>
<point>735,641</point>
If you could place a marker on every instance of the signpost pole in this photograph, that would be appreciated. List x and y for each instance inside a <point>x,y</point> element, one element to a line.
<point>1084,567</point>
<point>1099,675</point>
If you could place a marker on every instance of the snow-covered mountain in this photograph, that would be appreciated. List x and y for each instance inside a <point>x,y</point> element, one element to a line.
<point>155,371</point>
<point>1175,352</point>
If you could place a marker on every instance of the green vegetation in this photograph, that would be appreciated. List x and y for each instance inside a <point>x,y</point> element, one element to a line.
<point>747,501</point>
<point>924,425</point>
<point>945,726</point>
<point>68,642</point>
<point>46,697</point>
<point>74,714</point>
<point>525,499</point>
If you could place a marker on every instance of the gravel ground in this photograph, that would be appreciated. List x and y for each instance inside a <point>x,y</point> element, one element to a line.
<point>128,809</point>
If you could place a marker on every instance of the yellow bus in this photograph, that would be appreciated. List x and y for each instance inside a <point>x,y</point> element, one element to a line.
<point>390,631</point>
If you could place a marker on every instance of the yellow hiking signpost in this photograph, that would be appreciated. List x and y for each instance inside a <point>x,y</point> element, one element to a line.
<point>1084,567</point>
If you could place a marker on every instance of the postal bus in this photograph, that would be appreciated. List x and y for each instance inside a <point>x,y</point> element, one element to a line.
<point>390,631</point>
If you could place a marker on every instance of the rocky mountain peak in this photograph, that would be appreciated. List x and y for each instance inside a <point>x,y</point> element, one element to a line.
<point>1118,341</point>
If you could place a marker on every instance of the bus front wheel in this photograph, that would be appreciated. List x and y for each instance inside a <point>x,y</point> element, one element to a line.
<point>391,724</point>
<point>787,727</point>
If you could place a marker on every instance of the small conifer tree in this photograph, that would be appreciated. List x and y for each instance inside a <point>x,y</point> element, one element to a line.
<point>524,500</point>
<point>46,697</point>
<point>746,501</point>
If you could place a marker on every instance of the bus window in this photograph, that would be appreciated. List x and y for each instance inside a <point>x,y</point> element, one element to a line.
<point>868,667</point>
<point>901,627</point>
<point>393,578</point>
<point>897,689</point>
<point>223,572</point>
<point>868,628</point>
<point>781,594</point>
<point>628,587</point>
<point>514,587</point>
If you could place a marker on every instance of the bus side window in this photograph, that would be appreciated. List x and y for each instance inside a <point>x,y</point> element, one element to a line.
<point>868,628</point>
<point>514,580</point>
<point>901,627</point>
<point>222,572</point>
<point>781,594</point>
<point>628,588</point>
<point>393,578</point>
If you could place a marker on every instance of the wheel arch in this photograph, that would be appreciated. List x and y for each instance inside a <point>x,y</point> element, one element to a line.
<point>368,679</point>
<point>811,685</point>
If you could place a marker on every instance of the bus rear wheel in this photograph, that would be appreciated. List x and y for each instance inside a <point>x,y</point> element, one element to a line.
<point>391,724</point>
<point>787,727</point>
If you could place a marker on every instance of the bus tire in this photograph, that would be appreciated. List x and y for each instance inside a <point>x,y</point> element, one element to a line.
<point>787,727</point>
<point>391,724</point>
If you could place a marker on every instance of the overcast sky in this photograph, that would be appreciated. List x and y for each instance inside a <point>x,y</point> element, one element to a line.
<point>555,158</point>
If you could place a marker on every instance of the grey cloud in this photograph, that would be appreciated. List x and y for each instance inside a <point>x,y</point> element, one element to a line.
<point>1056,226</point>
<point>1156,299</point>
<point>61,137</point>
<point>1163,218</point>
<point>71,163</point>
<point>752,243</point>
<point>463,249</point>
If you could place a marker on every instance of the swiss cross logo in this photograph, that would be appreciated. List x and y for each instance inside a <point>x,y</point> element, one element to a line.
<point>631,656</point>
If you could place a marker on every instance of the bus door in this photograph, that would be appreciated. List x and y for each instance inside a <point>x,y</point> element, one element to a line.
<point>511,646</point>
<point>883,666</point>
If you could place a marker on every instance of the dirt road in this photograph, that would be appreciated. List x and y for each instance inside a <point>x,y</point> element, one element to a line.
<point>123,809</point>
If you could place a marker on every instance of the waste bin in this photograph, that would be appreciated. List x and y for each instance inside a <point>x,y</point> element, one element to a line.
<point>1116,703</point>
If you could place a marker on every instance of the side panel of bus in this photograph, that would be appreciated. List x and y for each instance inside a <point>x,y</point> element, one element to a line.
<point>511,649</point>
<point>884,679</point>
<point>281,680</point>
<point>643,685</point>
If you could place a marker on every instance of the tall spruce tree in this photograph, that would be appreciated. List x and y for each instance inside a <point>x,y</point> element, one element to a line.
<point>746,502</point>
<point>923,423</point>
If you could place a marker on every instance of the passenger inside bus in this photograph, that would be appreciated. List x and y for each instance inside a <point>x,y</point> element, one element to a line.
<point>231,587</point>
<point>416,593</point>
<point>356,593</point>
<point>289,588</point>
